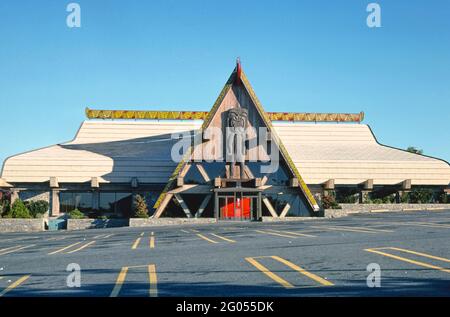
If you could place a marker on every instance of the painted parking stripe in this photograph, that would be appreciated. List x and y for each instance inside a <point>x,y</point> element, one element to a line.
<point>276,234</point>
<point>17,249</point>
<point>65,248</point>
<point>297,268</point>
<point>142,234</point>
<point>136,243</point>
<point>418,263</point>
<point>293,233</point>
<point>152,276</point>
<point>119,282</point>
<point>268,273</point>
<point>338,228</point>
<point>421,254</point>
<point>82,247</point>
<point>364,228</point>
<point>14,285</point>
<point>185,231</point>
<point>9,248</point>
<point>152,241</point>
<point>206,238</point>
<point>153,292</point>
<point>223,238</point>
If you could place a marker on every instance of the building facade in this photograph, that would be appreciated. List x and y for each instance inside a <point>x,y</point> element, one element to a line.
<point>234,162</point>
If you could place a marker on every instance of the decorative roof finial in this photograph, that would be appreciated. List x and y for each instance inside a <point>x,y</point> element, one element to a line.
<point>238,70</point>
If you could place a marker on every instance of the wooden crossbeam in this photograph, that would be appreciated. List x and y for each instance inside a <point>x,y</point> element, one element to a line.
<point>183,205</point>
<point>203,205</point>
<point>270,207</point>
<point>203,172</point>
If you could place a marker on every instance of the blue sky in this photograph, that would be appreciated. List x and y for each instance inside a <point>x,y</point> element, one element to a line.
<point>300,56</point>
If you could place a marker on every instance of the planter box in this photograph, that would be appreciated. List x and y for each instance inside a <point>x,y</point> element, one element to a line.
<point>362,208</point>
<point>79,224</point>
<point>21,225</point>
<point>150,222</point>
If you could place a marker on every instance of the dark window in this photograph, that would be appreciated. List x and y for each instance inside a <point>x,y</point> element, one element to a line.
<point>117,203</point>
<point>75,200</point>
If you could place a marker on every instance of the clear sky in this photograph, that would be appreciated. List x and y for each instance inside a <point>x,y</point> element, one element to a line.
<point>300,56</point>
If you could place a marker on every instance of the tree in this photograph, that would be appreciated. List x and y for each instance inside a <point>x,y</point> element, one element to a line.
<point>140,207</point>
<point>18,210</point>
<point>37,208</point>
<point>415,150</point>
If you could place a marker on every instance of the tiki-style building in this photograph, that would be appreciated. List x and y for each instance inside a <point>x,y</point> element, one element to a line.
<point>234,162</point>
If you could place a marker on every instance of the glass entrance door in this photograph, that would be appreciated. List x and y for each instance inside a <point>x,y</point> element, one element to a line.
<point>238,206</point>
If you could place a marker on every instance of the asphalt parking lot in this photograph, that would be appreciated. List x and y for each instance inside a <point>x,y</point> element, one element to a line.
<point>320,257</point>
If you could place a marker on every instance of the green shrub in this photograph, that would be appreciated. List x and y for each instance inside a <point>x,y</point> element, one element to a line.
<point>421,195</point>
<point>404,198</point>
<point>4,208</point>
<point>328,202</point>
<point>19,210</point>
<point>443,198</point>
<point>140,207</point>
<point>39,207</point>
<point>75,214</point>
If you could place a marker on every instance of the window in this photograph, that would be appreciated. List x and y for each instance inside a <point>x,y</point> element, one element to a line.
<point>75,200</point>
<point>118,203</point>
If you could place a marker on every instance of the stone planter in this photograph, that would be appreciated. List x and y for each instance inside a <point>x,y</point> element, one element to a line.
<point>79,224</point>
<point>21,225</point>
<point>151,222</point>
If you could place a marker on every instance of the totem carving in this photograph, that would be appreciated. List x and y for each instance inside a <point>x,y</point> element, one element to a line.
<point>236,135</point>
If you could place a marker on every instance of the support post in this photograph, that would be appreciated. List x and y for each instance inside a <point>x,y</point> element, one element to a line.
<point>55,202</point>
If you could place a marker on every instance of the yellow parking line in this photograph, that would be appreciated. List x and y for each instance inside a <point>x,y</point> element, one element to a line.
<point>431,224</point>
<point>276,234</point>
<point>268,273</point>
<point>9,248</point>
<point>293,233</point>
<point>343,229</point>
<point>223,238</point>
<point>312,276</point>
<point>153,292</point>
<point>152,242</point>
<point>365,228</point>
<point>136,243</point>
<point>207,239</point>
<point>14,285</point>
<point>17,249</point>
<point>82,247</point>
<point>421,254</point>
<point>119,282</point>
<point>419,263</point>
<point>65,248</point>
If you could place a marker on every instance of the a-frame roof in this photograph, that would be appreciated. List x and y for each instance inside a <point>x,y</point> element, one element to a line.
<point>238,76</point>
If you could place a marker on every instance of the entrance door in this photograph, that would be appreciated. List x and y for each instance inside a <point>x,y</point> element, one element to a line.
<point>237,207</point>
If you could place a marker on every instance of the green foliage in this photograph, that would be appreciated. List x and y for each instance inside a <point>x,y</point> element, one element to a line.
<point>404,198</point>
<point>329,202</point>
<point>5,207</point>
<point>347,195</point>
<point>39,207</point>
<point>75,214</point>
<point>414,150</point>
<point>421,195</point>
<point>443,198</point>
<point>140,207</point>
<point>19,210</point>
